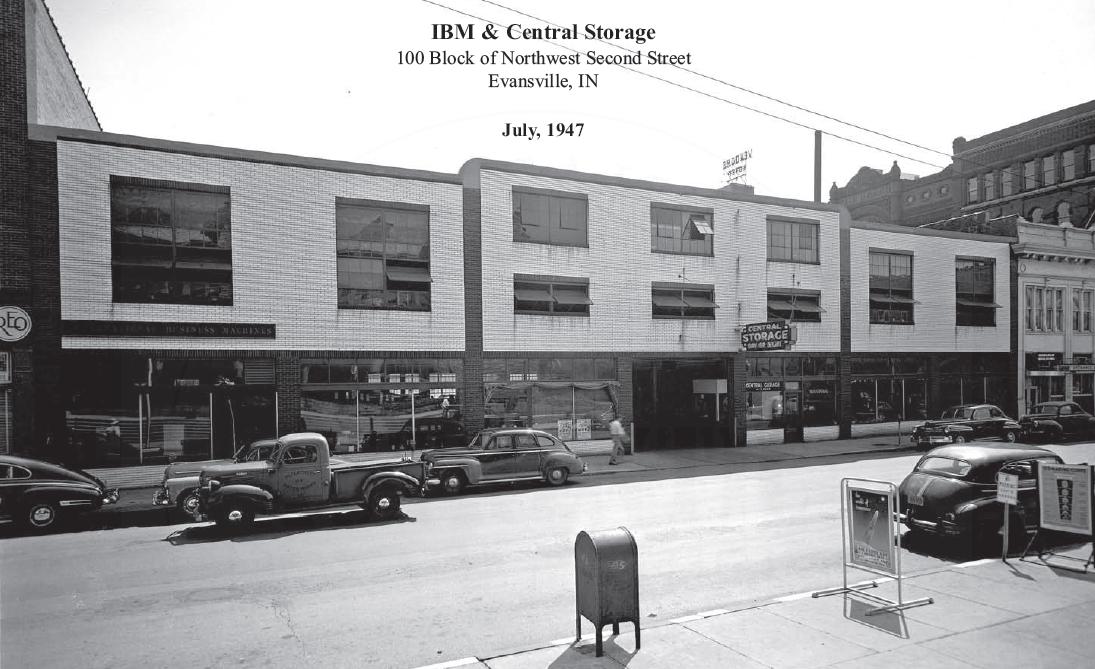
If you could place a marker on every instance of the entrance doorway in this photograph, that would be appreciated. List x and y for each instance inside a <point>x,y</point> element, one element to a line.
<point>681,403</point>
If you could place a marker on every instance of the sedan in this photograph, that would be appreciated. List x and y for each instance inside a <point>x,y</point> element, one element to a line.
<point>952,490</point>
<point>967,422</point>
<point>41,495</point>
<point>1053,421</point>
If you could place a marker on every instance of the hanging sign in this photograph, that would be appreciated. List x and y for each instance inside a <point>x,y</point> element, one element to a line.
<point>770,336</point>
<point>871,524</point>
<point>15,323</point>
<point>1064,497</point>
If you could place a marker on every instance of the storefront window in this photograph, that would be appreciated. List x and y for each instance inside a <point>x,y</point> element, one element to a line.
<point>542,405</point>
<point>764,409</point>
<point>819,404</point>
<point>1083,390</point>
<point>950,394</point>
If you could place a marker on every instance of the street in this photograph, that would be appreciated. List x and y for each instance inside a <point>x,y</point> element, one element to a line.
<point>488,571</point>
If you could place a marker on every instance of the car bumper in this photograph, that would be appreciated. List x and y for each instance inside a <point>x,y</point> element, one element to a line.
<point>932,439</point>
<point>161,497</point>
<point>110,496</point>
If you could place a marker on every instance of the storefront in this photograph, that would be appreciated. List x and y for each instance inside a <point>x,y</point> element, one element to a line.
<point>791,398</point>
<point>682,402</point>
<point>1050,377</point>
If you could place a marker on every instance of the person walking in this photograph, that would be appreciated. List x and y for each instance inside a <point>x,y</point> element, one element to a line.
<point>616,430</point>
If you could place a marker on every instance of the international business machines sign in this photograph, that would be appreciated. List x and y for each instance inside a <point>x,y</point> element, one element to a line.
<point>871,539</point>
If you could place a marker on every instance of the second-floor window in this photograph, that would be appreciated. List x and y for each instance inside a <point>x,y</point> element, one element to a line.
<point>990,186</point>
<point>1030,175</point>
<point>1049,170</point>
<point>555,296</point>
<point>792,241</point>
<point>686,301</point>
<point>1005,181</point>
<point>795,305</point>
<point>681,230</point>
<point>170,242</point>
<point>1081,309</point>
<point>550,217</point>
<point>383,251</point>
<point>1068,165</point>
<point>1044,307</point>
<point>891,287</point>
<point>971,187</point>
<point>975,292</point>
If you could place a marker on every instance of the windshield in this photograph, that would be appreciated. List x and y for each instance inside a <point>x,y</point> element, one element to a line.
<point>956,412</point>
<point>947,466</point>
<point>1045,408</point>
<point>254,452</point>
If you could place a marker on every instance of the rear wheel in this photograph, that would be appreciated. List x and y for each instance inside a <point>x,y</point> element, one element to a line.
<point>384,504</point>
<point>1011,436</point>
<point>958,439</point>
<point>42,516</point>
<point>453,482</point>
<point>557,475</point>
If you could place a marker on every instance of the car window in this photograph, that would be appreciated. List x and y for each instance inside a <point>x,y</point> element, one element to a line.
<point>14,472</point>
<point>526,441</point>
<point>996,413</point>
<point>298,454</point>
<point>941,465</point>
<point>1044,408</point>
<point>1066,410</point>
<point>545,442</point>
<point>500,443</point>
<point>980,414</point>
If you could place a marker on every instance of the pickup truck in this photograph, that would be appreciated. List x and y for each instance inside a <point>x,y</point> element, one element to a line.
<point>179,487</point>
<point>300,475</point>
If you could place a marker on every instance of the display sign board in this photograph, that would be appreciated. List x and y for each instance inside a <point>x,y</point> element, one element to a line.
<point>167,329</point>
<point>14,324</point>
<point>566,429</point>
<point>770,336</point>
<point>584,428</point>
<point>763,386</point>
<point>1043,361</point>
<point>1064,497</point>
<point>871,528</point>
<point>1007,488</point>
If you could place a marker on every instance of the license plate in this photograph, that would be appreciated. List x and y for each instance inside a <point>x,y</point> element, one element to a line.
<point>916,500</point>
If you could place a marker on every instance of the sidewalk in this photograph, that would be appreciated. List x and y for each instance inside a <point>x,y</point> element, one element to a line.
<point>984,614</point>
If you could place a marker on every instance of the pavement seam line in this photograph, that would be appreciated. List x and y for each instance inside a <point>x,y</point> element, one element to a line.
<point>462,662</point>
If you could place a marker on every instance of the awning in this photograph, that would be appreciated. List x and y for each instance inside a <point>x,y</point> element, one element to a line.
<point>664,300</point>
<point>892,299</point>
<point>699,301</point>
<point>571,296</point>
<point>807,308</point>
<point>410,274</point>
<point>532,294</point>
<point>701,225</point>
<point>975,303</point>
<point>779,305</point>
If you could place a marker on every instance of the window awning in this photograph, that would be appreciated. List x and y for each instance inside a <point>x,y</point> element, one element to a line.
<point>892,299</point>
<point>779,305</point>
<point>807,308</point>
<point>571,296</point>
<point>664,300</point>
<point>966,302</point>
<point>698,225</point>
<point>532,294</point>
<point>411,274</point>
<point>700,301</point>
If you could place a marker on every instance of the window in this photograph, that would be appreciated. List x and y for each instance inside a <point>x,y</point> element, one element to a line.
<point>990,186</point>
<point>1064,214</point>
<point>1035,215</point>
<point>550,217</point>
<point>891,288</point>
<point>1068,165</point>
<point>676,230</point>
<point>1005,182</point>
<point>1081,309</point>
<point>170,242</point>
<point>1044,306</point>
<point>383,253</point>
<point>792,241</point>
<point>975,292</point>
<point>1049,170</point>
<point>691,301</point>
<point>556,296</point>
<point>794,305</point>
<point>971,188</point>
<point>1091,159</point>
<point>8,472</point>
<point>1030,175</point>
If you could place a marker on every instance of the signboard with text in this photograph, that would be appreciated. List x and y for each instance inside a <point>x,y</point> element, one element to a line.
<point>566,429</point>
<point>1064,497</point>
<point>770,336</point>
<point>15,323</point>
<point>1007,488</point>
<point>584,428</point>
<point>872,530</point>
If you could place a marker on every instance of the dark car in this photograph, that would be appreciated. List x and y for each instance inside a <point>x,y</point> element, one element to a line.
<point>41,495</point>
<point>967,422</point>
<point>1053,421</point>
<point>952,490</point>
<point>502,455</point>
<point>432,432</point>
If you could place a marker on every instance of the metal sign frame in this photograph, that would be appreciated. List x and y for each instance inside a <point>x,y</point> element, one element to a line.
<point>887,491</point>
<point>1087,477</point>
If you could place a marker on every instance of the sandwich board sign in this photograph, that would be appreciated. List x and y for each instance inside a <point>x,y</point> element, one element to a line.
<point>871,529</point>
<point>1064,497</point>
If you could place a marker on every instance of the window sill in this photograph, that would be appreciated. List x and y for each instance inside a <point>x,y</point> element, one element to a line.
<point>549,315</point>
<point>533,241</point>
<point>795,262</point>
<point>683,253</point>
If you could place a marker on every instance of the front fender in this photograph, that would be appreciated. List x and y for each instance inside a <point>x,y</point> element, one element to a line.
<point>409,484</point>
<point>260,497</point>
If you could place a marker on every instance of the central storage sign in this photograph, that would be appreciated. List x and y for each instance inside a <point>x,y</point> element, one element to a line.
<point>772,336</point>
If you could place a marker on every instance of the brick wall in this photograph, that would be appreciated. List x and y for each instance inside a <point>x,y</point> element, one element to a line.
<point>56,93</point>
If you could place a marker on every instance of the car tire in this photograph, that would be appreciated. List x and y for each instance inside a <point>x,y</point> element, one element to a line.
<point>41,516</point>
<point>235,516</point>
<point>188,502</point>
<point>1011,436</point>
<point>557,476</point>
<point>384,504</point>
<point>958,439</point>
<point>453,482</point>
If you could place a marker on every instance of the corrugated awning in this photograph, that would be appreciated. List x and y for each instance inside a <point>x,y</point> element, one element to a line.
<point>702,225</point>
<point>807,308</point>
<point>532,294</point>
<point>700,301</point>
<point>571,296</point>
<point>965,302</point>
<point>665,300</point>
<point>892,299</point>
<point>411,274</point>
<point>779,305</point>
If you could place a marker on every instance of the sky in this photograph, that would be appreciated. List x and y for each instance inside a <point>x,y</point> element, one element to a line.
<point>327,83</point>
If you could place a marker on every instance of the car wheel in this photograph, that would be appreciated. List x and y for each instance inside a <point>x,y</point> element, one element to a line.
<point>235,515</point>
<point>384,504</point>
<point>188,502</point>
<point>453,482</point>
<point>1011,436</point>
<point>958,439</point>
<point>557,475</point>
<point>41,516</point>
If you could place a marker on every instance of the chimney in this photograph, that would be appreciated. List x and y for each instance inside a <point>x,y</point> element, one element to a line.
<point>738,189</point>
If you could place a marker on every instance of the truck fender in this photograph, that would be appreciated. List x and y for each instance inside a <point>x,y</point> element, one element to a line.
<point>407,483</point>
<point>261,498</point>
<point>472,468</point>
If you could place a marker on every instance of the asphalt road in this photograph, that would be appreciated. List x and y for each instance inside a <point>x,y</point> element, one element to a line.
<point>457,577</point>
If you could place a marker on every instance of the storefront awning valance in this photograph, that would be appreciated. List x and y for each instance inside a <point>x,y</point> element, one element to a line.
<point>571,296</point>
<point>410,274</point>
<point>532,295</point>
<point>966,302</point>
<point>661,300</point>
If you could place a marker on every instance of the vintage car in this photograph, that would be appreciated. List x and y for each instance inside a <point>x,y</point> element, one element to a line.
<point>179,487</point>
<point>952,490</point>
<point>41,495</point>
<point>1053,421</point>
<point>502,456</point>
<point>967,422</point>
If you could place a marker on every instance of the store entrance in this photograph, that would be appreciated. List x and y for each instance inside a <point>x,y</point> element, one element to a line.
<point>681,403</point>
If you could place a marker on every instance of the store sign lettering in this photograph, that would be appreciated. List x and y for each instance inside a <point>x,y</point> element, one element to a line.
<point>772,336</point>
<point>763,386</point>
<point>14,324</point>
<point>168,329</point>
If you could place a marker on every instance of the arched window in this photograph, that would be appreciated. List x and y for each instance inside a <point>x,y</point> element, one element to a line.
<point>1064,215</point>
<point>1035,215</point>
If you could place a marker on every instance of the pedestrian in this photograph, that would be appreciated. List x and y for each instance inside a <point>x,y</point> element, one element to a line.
<point>617,431</point>
<point>445,407</point>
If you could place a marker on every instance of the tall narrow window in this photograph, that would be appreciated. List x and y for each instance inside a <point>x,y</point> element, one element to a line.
<point>1030,175</point>
<point>1005,181</point>
<point>1054,307</point>
<point>971,189</point>
<point>1068,165</point>
<point>975,292</point>
<point>550,217</point>
<point>1049,170</point>
<point>1082,302</point>
<point>891,287</point>
<point>681,230</point>
<point>383,252</point>
<point>990,186</point>
<point>792,241</point>
<point>170,242</point>
<point>1091,159</point>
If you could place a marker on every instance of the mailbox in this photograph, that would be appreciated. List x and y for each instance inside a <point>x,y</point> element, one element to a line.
<point>606,581</point>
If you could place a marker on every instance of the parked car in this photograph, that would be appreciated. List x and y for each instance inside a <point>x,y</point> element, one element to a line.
<point>41,495</point>
<point>502,456</point>
<point>432,432</point>
<point>180,479</point>
<point>967,422</point>
<point>1053,421</point>
<point>952,490</point>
